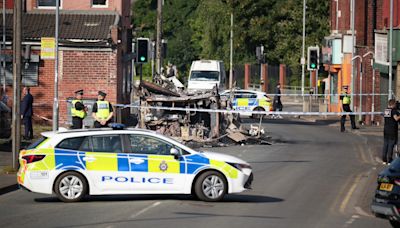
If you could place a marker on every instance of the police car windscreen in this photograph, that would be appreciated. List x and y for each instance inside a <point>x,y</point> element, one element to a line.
<point>204,76</point>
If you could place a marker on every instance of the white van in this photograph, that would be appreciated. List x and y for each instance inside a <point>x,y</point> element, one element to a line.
<point>205,74</point>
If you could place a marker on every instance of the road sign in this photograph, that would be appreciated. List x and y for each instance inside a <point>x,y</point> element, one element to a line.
<point>47,48</point>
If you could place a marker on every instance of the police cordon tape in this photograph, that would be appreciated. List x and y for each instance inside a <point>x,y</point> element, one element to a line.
<point>247,112</point>
<point>327,94</point>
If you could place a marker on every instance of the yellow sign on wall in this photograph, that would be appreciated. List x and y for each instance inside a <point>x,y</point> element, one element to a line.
<point>47,48</point>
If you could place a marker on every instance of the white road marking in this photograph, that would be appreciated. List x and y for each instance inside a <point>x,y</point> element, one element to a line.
<point>146,209</point>
<point>360,211</point>
<point>351,220</point>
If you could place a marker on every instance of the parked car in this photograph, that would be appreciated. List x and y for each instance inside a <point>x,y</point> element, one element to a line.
<point>5,120</point>
<point>386,202</point>
<point>248,101</point>
<point>75,163</point>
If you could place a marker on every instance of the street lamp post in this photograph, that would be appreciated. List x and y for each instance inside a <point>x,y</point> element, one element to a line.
<point>231,56</point>
<point>390,49</point>
<point>352,8</point>
<point>361,72</point>
<point>55,104</point>
<point>303,61</point>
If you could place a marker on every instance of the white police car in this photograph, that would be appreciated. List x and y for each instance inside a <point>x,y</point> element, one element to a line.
<point>127,161</point>
<point>248,101</point>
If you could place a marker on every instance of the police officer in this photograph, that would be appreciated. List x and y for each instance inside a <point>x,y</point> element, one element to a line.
<point>102,111</point>
<point>390,129</point>
<point>277,105</point>
<point>78,110</point>
<point>346,101</point>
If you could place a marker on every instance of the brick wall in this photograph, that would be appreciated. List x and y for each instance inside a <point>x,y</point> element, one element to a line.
<point>344,19</point>
<point>88,70</point>
<point>43,93</point>
<point>113,5</point>
<point>9,4</point>
<point>364,26</point>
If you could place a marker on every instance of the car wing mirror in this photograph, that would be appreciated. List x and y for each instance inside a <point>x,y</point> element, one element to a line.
<point>175,152</point>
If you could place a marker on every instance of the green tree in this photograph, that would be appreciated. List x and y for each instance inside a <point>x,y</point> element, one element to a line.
<point>211,28</point>
<point>201,29</point>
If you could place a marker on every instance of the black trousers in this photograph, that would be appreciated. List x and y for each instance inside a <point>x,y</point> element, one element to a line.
<point>387,151</point>
<point>346,108</point>
<point>277,106</point>
<point>98,125</point>
<point>28,127</point>
<point>77,123</point>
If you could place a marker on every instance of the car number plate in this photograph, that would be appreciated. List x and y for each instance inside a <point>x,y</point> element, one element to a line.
<point>386,187</point>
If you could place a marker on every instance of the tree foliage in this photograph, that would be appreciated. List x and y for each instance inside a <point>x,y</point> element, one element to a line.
<point>200,29</point>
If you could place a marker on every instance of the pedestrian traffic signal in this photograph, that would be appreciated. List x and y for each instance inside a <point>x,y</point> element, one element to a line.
<point>313,58</point>
<point>142,50</point>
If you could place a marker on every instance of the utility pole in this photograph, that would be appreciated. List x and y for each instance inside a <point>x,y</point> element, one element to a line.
<point>4,51</point>
<point>159,36</point>
<point>352,8</point>
<point>55,105</point>
<point>231,56</point>
<point>16,112</point>
<point>303,60</point>
<point>390,50</point>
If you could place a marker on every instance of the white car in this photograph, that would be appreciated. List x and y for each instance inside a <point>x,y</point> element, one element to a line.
<point>248,101</point>
<point>75,163</point>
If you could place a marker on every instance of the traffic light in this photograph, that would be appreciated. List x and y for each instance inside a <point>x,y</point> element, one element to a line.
<point>142,51</point>
<point>260,54</point>
<point>313,58</point>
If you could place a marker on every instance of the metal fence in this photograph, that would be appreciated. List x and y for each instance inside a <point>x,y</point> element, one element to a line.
<point>255,76</point>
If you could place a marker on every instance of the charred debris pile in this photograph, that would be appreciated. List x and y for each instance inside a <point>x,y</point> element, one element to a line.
<point>211,128</point>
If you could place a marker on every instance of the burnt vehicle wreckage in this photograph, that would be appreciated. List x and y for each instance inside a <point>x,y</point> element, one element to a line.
<point>193,118</point>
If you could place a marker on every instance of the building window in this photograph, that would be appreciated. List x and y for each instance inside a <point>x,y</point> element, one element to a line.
<point>30,71</point>
<point>47,3</point>
<point>99,3</point>
<point>381,49</point>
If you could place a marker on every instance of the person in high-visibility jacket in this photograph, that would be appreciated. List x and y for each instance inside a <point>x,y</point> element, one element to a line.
<point>346,101</point>
<point>78,110</point>
<point>102,111</point>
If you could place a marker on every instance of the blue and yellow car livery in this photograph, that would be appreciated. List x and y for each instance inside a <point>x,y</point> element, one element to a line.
<point>42,167</point>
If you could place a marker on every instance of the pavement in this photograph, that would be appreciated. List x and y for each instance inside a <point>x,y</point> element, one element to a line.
<point>8,180</point>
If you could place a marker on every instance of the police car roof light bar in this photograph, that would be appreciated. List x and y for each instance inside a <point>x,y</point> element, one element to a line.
<point>117,126</point>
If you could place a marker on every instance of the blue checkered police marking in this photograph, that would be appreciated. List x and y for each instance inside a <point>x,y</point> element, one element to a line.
<point>69,160</point>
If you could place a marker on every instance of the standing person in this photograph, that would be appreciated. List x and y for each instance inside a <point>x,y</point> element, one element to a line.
<point>170,70</point>
<point>102,111</point>
<point>346,101</point>
<point>390,134</point>
<point>27,113</point>
<point>78,110</point>
<point>277,105</point>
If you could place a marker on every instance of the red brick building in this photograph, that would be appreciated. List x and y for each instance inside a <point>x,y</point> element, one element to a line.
<point>371,32</point>
<point>94,42</point>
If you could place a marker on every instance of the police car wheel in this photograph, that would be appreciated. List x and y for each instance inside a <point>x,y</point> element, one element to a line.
<point>210,186</point>
<point>70,187</point>
<point>258,116</point>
